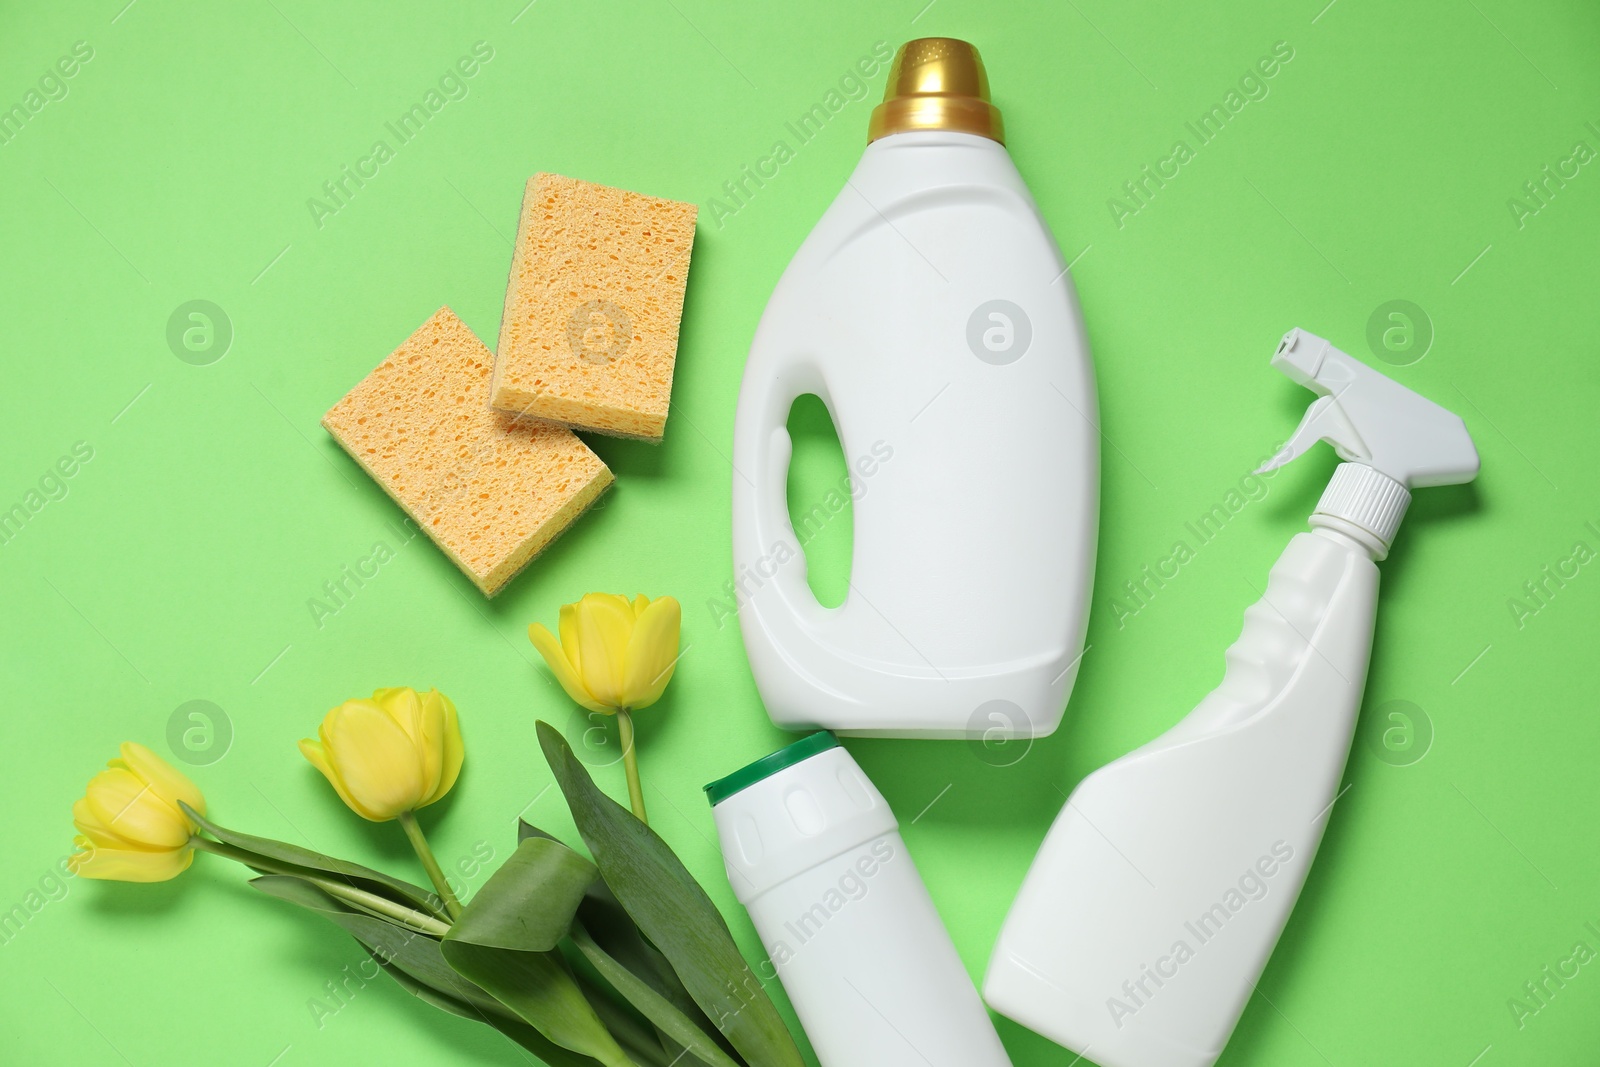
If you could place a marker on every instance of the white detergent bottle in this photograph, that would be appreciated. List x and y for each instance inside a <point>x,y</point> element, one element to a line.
<point>1161,889</point>
<point>815,855</point>
<point>931,311</point>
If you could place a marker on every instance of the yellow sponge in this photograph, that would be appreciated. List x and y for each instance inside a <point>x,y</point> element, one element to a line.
<point>590,331</point>
<point>490,488</point>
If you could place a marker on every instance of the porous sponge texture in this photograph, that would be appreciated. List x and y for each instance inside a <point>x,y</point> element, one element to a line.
<point>490,488</point>
<point>590,331</point>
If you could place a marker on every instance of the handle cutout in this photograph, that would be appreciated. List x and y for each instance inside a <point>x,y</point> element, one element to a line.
<point>819,497</point>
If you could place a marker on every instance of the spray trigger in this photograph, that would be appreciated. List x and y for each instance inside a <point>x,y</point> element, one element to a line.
<point>1326,421</point>
<point>1371,419</point>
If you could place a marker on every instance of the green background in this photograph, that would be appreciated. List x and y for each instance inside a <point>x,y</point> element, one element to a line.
<point>180,561</point>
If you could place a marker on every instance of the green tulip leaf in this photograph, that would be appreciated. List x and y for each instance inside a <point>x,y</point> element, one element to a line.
<point>529,902</point>
<point>671,1022</point>
<point>415,954</point>
<point>619,936</point>
<point>417,964</point>
<point>539,987</point>
<point>628,946</point>
<point>515,1029</point>
<point>526,829</point>
<point>361,877</point>
<point>426,993</point>
<point>597,892</point>
<point>608,923</point>
<point>627,1026</point>
<point>673,911</point>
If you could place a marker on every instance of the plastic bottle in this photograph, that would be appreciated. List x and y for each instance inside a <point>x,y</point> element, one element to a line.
<point>932,312</point>
<point>1150,911</point>
<point>814,854</point>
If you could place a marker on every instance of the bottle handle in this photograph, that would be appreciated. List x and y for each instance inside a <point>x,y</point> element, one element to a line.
<point>765,547</point>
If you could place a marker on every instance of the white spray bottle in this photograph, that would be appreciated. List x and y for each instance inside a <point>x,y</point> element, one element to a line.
<point>931,310</point>
<point>1162,887</point>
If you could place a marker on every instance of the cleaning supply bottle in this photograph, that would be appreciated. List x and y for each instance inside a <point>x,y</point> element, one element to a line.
<point>932,312</point>
<point>1162,887</point>
<point>814,854</point>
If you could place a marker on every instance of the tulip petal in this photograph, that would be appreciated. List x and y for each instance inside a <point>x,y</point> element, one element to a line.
<point>652,653</point>
<point>169,783</point>
<point>129,808</point>
<point>375,759</point>
<point>129,866</point>
<point>95,829</point>
<point>430,743</point>
<point>318,758</point>
<point>559,664</point>
<point>640,602</point>
<point>568,628</point>
<point>605,623</point>
<point>404,706</point>
<point>448,745</point>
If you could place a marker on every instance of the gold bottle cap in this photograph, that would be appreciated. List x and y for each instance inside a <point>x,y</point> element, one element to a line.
<point>937,83</point>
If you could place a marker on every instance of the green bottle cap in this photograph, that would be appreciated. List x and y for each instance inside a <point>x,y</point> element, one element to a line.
<point>767,766</point>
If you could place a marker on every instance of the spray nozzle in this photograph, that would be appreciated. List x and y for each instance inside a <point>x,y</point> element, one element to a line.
<point>1392,439</point>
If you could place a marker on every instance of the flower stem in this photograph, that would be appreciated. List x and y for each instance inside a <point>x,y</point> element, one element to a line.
<point>630,763</point>
<point>408,823</point>
<point>363,899</point>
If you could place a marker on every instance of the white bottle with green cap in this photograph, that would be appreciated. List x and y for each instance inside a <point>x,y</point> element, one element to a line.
<point>814,854</point>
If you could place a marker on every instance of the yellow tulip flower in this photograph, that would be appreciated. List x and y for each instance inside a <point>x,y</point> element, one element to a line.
<point>390,755</point>
<point>615,656</point>
<point>614,653</point>
<point>129,824</point>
